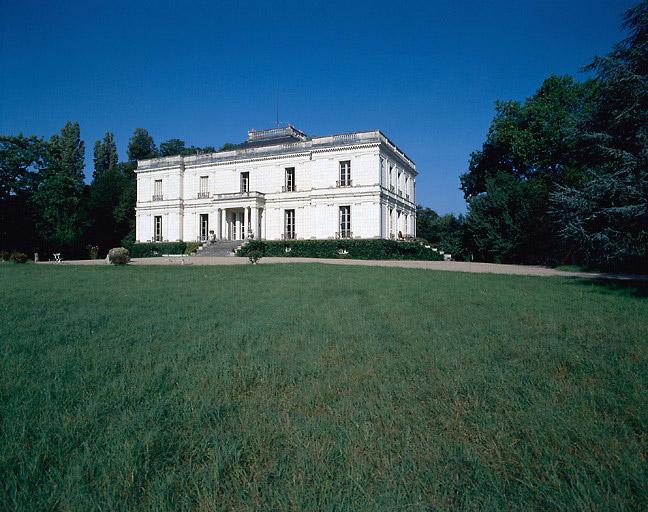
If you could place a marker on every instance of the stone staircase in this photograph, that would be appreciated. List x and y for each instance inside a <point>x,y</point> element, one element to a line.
<point>219,248</point>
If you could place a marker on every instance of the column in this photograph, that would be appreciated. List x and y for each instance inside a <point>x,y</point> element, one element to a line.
<point>246,221</point>
<point>255,222</point>
<point>238,225</point>
<point>263,224</point>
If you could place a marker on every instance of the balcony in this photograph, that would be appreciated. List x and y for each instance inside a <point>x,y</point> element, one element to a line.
<point>345,233</point>
<point>288,235</point>
<point>342,183</point>
<point>157,197</point>
<point>239,195</point>
<point>203,195</point>
<point>288,188</point>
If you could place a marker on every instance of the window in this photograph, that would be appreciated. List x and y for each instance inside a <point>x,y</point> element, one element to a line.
<point>204,227</point>
<point>407,187</point>
<point>391,178</point>
<point>345,174</point>
<point>245,182</point>
<point>398,182</point>
<point>382,171</point>
<point>391,223</point>
<point>345,222</point>
<point>157,190</point>
<point>157,228</point>
<point>289,224</point>
<point>290,180</point>
<point>203,189</point>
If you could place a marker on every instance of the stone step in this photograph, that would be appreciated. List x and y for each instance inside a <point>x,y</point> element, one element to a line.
<point>220,248</point>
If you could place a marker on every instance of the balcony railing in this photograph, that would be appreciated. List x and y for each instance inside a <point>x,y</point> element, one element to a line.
<point>344,183</point>
<point>240,195</point>
<point>158,197</point>
<point>400,192</point>
<point>391,187</point>
<point>407,196</point>
<point>288,188</point>
<point>345,233</point>
<point>288,235</point>
<point>203,195</point>
<point>157,238</point>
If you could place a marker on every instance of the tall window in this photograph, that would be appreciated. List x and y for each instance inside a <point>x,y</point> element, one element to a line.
<point>345,174</point>
<point>289,224</point>
<point>345,222</point>
<point>290,179</point>
<point>157,190</point>
<point>398,182</point>
<point>245,182</point>
<point>407,194</point>
<point>204,227</point>
<point>203,189</point>
<point>382,171</point>
<point>391,223</point>
<point>157,228</point>
<point>391,177</point>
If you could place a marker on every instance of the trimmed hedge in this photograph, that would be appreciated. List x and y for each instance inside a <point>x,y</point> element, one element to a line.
<point>373,249</point>
<point>151,249</point>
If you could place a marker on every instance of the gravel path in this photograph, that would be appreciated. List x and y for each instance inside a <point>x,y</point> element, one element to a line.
<point>453,266</point>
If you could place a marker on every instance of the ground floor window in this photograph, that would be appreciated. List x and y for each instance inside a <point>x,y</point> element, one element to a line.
<point>157,228</point>
<point>289,224</point>
<point>345,222</point>
<point>204,227</point>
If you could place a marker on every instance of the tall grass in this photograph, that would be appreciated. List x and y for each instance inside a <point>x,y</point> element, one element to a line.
<point>311,387</point>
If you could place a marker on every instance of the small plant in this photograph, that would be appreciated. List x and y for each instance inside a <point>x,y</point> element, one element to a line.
<point>19,257</point>
<point>192,247</point>
<point>118,256</point>
<point>254,256</point>
<point>4,255</point>
<point>93,251</point>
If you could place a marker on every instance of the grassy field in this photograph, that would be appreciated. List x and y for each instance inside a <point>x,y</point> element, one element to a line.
<point>313,387</point>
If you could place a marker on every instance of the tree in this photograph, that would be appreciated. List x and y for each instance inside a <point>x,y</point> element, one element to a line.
<point>105,154</point>
<point>21,159</point>
<point>141,146</point>
<point>59,198</point>
<point>226,147</point>
<point>173,147</point>
<point>607,216</point>
<point>531,148</point>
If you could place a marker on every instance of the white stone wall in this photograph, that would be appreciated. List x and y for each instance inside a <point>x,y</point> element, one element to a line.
<point>316,200</point>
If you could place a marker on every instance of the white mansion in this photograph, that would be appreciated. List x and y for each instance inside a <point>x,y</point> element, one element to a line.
<point>280,184</point>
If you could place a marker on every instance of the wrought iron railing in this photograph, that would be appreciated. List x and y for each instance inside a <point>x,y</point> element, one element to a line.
<point>288,188</point>
<point>158,197</point>
<point>203,195</point>
<point>288,235</point>
<point>345,233</point>
<point>344,183</point>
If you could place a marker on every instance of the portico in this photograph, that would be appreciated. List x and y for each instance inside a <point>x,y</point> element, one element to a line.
<point>240,216</point>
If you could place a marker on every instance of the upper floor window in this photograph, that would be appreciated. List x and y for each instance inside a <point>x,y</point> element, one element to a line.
<point>203,190</point>
<point>245,182</point>
<point>345,174</point>
<point>391,177</point>
<point>345,222</point>
<point>290,180</point>
<point>407,194</point>
<point>398,182</point>
<point>157,190</point>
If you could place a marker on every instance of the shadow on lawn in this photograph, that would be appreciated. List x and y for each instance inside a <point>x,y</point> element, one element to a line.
<point>630,288</point>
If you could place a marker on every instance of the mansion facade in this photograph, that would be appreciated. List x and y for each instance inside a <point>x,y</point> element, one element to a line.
<point>280,185</point>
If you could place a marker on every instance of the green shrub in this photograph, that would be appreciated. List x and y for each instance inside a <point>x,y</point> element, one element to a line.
<point>254,256</point>
<point>191,248</point>
<point>19,257</point>
<point>374,249</point>
<point>118,256</point>
<point>152,249</point>
<point>4,255</point>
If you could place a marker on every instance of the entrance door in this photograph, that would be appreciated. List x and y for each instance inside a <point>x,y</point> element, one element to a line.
<point>204,227</point>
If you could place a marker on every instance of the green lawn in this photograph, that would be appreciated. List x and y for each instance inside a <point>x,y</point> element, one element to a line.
<point>313,387</point>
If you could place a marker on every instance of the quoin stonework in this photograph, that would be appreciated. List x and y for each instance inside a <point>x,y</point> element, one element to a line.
<point>280,184</point>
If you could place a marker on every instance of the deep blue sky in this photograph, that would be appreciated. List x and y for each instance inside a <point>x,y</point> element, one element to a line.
<point>427,73</point>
